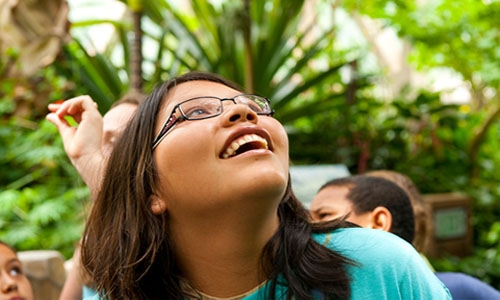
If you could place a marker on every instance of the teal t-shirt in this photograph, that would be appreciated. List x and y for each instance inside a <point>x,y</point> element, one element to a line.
<point>388,268</point>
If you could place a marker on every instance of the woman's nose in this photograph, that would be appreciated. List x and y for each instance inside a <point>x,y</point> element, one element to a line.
<point>7,284</point>
<point>234,113</point>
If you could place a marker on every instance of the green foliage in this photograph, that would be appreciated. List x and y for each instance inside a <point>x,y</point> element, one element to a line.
<point>262,48</point>
<point>41,208</point>
<point>42,200</point>
<point>94,73</point>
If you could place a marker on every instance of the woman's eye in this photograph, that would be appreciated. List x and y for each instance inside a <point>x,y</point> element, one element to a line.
<point>197,112</point>
<point>16,271</point>
<point>257,105</point>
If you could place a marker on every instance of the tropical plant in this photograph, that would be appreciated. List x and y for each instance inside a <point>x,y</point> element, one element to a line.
<point>463,153</point>
<point>262,45</point>
<point>42,201</point>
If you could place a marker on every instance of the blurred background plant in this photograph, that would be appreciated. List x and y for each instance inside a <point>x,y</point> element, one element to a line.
<point>425,103</point>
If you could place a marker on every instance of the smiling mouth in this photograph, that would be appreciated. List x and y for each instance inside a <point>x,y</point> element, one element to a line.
<point>245,143</point>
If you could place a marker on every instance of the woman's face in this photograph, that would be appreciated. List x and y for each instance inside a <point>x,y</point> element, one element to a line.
<point>13,283</point>
<point>194,174</point>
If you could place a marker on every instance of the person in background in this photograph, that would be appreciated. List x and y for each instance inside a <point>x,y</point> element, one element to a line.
<point>196,203</point>
<point>461,285</point>
<point>14,285</point>
<point>369,202</point>
<point>113,123</point>
<point>423,222</point>
<point>347,194</point>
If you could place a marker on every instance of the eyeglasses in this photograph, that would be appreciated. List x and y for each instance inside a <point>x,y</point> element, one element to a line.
<point>200,108</point>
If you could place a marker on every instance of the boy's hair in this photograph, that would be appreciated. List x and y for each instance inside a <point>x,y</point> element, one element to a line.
<point>423,222</point>
<point>368,192</point>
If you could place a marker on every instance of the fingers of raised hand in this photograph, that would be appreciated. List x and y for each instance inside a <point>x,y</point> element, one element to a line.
<point>73,106</point>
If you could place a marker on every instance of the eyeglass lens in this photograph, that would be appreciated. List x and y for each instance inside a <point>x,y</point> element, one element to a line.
<point>201,108</point>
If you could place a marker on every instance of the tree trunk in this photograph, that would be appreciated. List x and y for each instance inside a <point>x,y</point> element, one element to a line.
<point>136,81</point>
<point>247,36</point>
<point>478,138</point>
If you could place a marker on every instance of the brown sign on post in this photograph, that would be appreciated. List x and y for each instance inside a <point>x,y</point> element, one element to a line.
<point>451,222</point>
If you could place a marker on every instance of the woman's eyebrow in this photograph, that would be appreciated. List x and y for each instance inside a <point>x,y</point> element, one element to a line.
<point>13,260</point>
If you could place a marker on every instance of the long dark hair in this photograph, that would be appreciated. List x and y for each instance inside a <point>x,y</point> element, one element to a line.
<point>126,249</point>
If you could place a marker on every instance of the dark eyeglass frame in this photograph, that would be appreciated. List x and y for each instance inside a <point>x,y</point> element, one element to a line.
<point>172,120</point>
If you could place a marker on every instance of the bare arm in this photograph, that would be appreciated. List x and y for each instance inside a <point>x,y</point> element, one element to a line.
<point>72,289</point>
<point>83,142</point>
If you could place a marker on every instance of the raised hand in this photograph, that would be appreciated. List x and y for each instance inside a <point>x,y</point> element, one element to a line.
<point>83,142</point>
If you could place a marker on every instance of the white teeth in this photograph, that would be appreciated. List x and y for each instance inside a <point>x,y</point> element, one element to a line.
<point>248,138</point>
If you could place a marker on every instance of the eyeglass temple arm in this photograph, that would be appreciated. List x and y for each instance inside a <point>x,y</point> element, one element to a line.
<point>166,128</point>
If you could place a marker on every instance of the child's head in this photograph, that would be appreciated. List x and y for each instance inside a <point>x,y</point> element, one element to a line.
<point>368,202</point>
<point>13,282</point>
<point>423,222</point>
<point>117,118</point>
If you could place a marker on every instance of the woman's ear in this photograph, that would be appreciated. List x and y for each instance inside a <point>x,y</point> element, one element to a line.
<point>381,218</point>
<point>158,205</point>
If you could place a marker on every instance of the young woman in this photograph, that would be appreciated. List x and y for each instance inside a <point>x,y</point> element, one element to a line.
<point>196,203</point>
<point>13,283</point>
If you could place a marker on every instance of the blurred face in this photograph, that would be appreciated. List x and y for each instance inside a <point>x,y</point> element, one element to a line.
<point>332,202</point>
<point>13,283</point>
<point>114,121</point>
<point>197,175</point>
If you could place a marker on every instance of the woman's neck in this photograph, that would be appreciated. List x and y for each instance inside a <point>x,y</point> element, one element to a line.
<point>221,256</point>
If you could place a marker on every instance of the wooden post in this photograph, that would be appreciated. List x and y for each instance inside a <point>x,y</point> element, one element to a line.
<point>45,270</point>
